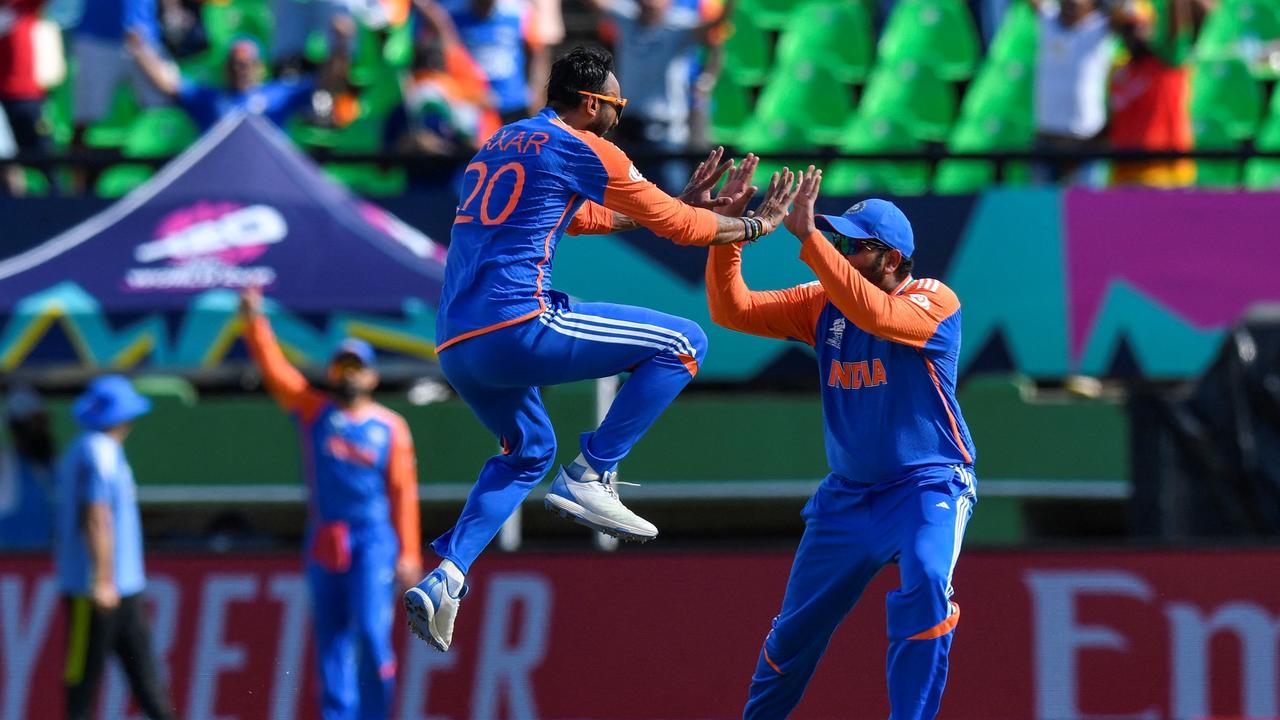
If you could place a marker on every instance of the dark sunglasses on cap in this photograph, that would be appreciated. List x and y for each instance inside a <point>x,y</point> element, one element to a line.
<point>846,245</point>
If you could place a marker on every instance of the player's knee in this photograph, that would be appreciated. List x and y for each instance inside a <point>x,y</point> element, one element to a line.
<point>696,336</point>
<point>536,453</point>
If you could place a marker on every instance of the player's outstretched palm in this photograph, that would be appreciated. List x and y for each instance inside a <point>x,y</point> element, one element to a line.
<point>800,220</point>
<point>737,189</point>
<point>698,191</point>
<point>782,190</point>
<point>251,301</point>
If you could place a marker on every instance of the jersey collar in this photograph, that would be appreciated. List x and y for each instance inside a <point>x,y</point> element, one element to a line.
<point>898,290</point>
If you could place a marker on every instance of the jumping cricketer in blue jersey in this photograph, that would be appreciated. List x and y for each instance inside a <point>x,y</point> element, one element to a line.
<point>502,331</point>
<point>901,487</point>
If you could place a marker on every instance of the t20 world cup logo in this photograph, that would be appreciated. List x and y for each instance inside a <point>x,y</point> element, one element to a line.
<point>208,245</point>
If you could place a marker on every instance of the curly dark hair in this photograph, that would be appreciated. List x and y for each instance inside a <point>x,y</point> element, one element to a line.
<point>584,68</point>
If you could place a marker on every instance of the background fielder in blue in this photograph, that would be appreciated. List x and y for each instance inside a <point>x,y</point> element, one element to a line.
<point>901,487</point>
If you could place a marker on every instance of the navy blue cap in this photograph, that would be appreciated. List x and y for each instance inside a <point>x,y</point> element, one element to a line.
<point>874,218</point>
<point>359,349</point>
<point>109,401</point>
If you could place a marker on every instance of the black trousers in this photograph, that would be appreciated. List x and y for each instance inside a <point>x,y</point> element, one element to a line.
<point>93,633</point>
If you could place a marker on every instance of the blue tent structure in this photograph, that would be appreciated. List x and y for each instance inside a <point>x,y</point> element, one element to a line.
<point>152,281</point>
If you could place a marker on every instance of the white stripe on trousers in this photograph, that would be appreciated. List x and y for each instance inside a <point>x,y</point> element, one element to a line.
<point>667,341</point>
<point>963,504</point>
<point>643,327</point>
<point>665,346</point>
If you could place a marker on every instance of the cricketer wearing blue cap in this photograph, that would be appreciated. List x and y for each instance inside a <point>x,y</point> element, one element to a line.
<point>901,486</point>
<point>362,514</point>
<point>98,552</point>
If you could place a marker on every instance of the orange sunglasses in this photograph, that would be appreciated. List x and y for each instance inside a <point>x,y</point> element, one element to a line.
<point>617,102</point>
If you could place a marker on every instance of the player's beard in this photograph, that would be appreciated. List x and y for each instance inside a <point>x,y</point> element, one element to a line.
<point>876,272</point>
<point>347,391</point>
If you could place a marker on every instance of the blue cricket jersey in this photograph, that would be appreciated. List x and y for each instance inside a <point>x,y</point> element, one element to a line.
<point>887,362</point>
<point>530,183</point>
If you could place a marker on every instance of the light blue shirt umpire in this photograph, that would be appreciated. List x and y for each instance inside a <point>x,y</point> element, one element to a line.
<point>93,470</point>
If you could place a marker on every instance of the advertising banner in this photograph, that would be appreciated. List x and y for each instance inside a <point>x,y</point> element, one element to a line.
<point>1050,636</point>
<point>151,280</point>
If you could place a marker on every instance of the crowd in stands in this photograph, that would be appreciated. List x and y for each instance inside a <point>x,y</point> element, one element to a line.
<point>436,77</point>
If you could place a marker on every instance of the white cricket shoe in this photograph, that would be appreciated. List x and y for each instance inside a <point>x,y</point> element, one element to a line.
<point>595,503</point>
<point>432,606</point>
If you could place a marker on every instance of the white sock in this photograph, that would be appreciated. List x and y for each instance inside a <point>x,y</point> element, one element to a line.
<point>588,474</point>
<point>452,572</point>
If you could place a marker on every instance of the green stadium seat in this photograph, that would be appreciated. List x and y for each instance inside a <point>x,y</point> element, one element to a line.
<point>397,51</point>
<point>937,33</point>
<point>120,180</point>
<point>1213,135</point>
<point>775,135</point>
<point>914,95</point>
<point>747,49</point>
<point>112,130</point>
<point>368,179</point>
<point>1223,91</point>
<point>159,132</point>
<point>1236,25</point>
<point>976,134</point>
<point>224,21</point>
<point>825,101</point>
<point>771,14</point>
<point>1016,37</point>
<point>836,35</point>
<point>1264,173</point>
<point>859,177</point>
<point>1004,89</point>
<point>730,110</point>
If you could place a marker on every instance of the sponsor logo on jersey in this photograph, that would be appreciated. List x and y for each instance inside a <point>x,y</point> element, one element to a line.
<point>835,336</point>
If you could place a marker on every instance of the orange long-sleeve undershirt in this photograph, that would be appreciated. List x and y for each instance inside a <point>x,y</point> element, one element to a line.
<point>793,313</point>
<point>627,192</point>
<point>591,219</point>
<point>290,389</point>
<point>790,314</point>
<point>402,490</point>
<point>908,318</point>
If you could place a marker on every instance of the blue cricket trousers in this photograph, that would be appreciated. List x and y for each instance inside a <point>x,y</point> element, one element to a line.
<point>498,375</point>
<point>851,532</point>
<point>352,613</point>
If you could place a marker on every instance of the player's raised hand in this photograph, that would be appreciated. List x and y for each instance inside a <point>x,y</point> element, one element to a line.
<point>800,220</point>
<point>738,188</point>
<point>698,191</point>
<point>251,301</point>
<point>782,190</point>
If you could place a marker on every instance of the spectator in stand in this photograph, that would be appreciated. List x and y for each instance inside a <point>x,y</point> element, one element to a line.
<point>245,88</point>
<point>444,112</point>
<point>654,49</point>
<point>101,60</point>
<point>1150,94</point>
<point>26,474</point>
<point>501,36</point>
<point>98,553</point>
<point>1073,58</point>
<point>548,22</point>
<point>449,106</point>
<point>295,21</point>
<point>182,27</point>
<point>21,93</point>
